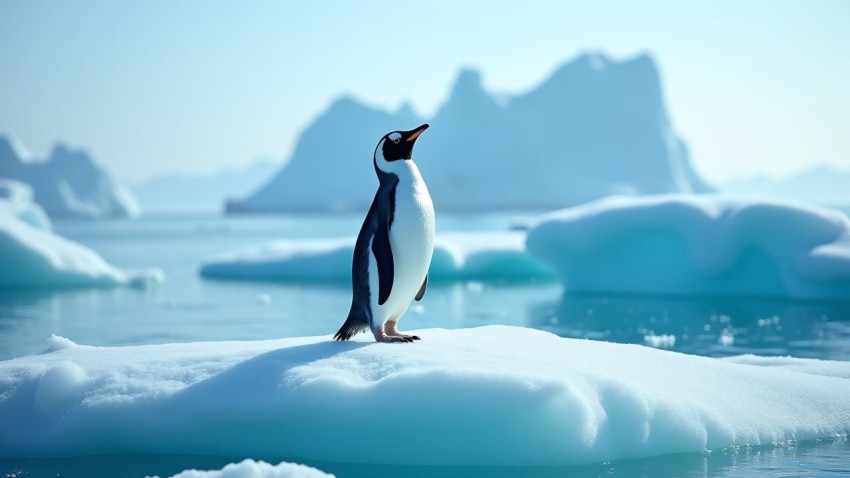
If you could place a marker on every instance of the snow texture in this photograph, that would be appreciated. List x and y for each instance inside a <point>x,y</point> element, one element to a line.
<point>68,184</point>
<point>595,127</point>
<point>494,255</point>
<point>494,395</point>
<point>34,256</point>
<point>698,245</point>
<point>257,469</point>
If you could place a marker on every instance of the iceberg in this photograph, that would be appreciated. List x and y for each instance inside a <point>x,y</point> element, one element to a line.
<point>257,469</point>
<point>491,255</point>
<point>698,246</point>
<point>16,198</point>
<point>69,184</point>
<point>495,395</point>
<point>34,256</point>
<point>595,127</point>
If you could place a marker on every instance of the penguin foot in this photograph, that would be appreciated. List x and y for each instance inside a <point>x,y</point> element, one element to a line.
<point>391,336</point>
<point>390,329</point>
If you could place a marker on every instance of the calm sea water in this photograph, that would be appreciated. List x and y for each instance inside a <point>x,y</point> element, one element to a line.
<point>188,308</point>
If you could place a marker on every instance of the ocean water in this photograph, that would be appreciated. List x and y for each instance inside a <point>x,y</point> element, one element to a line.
<point>188,308</point>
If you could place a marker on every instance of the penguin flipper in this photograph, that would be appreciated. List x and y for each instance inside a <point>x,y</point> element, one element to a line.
<point>422,289</point>
<point>383,253</point>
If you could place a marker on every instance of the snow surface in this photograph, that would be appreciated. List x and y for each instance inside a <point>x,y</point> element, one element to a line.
<point>34,256</point>
<point>494,395</point>
<point>698,245</point>
<point>457,256</point>
<point>257,469</point>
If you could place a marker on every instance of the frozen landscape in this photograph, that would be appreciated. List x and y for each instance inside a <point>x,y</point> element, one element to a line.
<point>641,241</point>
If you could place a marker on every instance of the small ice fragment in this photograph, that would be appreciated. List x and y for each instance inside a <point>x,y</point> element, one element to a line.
<point>660,341</point>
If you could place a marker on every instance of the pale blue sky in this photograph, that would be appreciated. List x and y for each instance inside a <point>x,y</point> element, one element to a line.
<point>195,86</point>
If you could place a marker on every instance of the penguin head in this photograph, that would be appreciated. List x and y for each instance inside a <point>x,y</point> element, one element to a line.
<point>396,146</point>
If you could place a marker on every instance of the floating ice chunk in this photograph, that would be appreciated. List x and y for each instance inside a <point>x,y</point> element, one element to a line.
<point>144,278</point>
<point>485,396</point>
<point>36,257</point>
<point>698,245</point>
<point>457,256</point>
<point>56,342</point>
<point>660,341</point>
<point>257,469</point>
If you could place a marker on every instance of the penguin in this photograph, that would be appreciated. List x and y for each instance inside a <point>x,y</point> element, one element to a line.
<point>393,251</point>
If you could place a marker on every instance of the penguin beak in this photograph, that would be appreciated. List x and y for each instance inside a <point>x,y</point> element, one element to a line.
<point>414,133</point>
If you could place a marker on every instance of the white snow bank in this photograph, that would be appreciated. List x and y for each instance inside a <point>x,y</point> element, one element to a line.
<point>457,256</point>
<point>487,396</point>
<point>698,245</point>
<point>257,469</point>
<point>36,257</point>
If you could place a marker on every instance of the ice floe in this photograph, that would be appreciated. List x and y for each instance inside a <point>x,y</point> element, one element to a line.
<point>33,256</point>
<point>494,395</point>
<point>698,245</point>
<point>257,469</point>
<point>490,255</point>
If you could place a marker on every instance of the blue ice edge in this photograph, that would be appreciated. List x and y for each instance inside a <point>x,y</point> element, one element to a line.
<point>489,396</point>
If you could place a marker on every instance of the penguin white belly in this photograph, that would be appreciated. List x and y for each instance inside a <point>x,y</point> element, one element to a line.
<point>412,242</point>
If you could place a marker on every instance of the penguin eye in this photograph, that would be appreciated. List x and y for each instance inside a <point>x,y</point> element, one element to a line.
<point>396,140</point>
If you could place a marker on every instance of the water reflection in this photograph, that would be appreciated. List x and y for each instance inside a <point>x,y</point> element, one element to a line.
<point>814,458</point>
<point>716,326</point>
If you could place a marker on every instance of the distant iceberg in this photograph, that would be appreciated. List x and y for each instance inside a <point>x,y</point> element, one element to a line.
<point>33,256</point>
<point>496,395</point>
<point>16,198</point>
<point>495,255</point>
<point>595,127</point>
<point>698,245</point>
<point>68,184</point>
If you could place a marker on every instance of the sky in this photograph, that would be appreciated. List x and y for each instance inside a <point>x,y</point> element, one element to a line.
<point>150,88</point>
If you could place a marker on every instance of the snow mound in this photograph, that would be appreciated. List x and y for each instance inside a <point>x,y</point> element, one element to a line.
<point>494,395</point>
<point>497,255</point>
<point>257,469</point>
<point>36,257</point>
<point>698,245</point>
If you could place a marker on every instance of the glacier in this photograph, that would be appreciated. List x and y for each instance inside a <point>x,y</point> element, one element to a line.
<point>33,255</point>
<point>689,245</point>
<point>488,255</point>
<point>495,395</point>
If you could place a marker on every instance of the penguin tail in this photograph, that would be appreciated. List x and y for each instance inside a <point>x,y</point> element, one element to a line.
<point>357,322</point>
